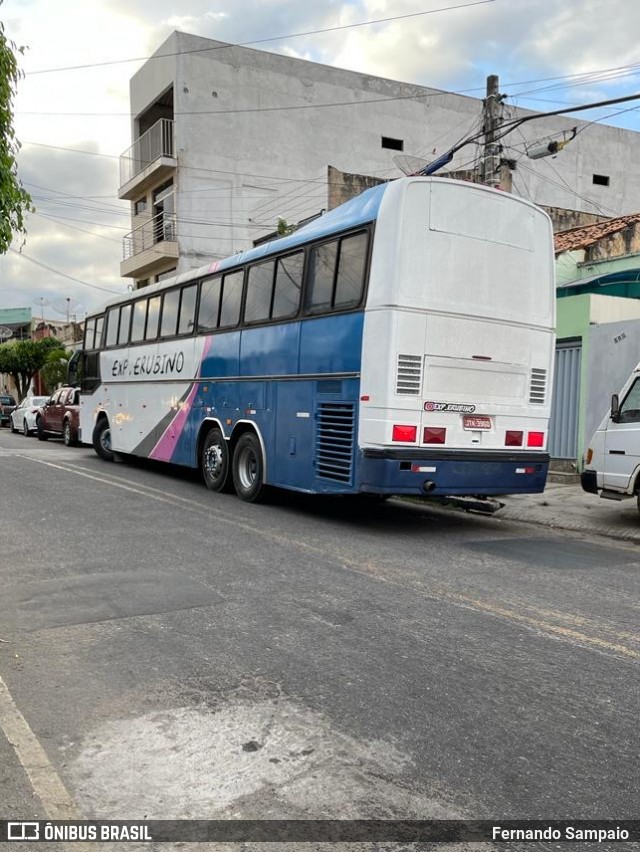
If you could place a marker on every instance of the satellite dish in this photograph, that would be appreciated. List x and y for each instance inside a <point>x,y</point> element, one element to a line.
<point>66,307</point>
<point>5,334</point>
<point>408,164</point>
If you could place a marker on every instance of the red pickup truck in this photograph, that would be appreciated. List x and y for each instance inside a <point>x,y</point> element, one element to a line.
<point>59,416</point>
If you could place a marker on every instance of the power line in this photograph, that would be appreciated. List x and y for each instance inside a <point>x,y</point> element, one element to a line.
<point>262,40</point>
<point>63,274</point>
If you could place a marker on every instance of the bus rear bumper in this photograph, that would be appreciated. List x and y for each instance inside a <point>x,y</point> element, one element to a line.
<point>424,472</point>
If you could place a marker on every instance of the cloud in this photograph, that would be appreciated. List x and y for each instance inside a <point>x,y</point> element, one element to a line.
<point>452,50</point>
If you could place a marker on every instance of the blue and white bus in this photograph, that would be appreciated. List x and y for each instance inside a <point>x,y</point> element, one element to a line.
<point>400,344</point>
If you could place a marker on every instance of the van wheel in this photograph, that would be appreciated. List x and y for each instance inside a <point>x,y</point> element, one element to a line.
<point>248,469</point>
<point>214,462</point>
<point>102,440</point>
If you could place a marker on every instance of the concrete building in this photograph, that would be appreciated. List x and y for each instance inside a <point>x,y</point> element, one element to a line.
<point>227,140</point>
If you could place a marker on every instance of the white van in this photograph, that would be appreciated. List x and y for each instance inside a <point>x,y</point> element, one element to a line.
<point>612,460</point>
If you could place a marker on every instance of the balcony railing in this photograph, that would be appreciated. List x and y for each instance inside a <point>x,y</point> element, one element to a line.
<point>155,143</point>
<point>162,228</point>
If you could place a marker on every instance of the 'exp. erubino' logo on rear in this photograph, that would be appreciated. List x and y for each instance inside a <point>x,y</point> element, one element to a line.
<point>449,406</point>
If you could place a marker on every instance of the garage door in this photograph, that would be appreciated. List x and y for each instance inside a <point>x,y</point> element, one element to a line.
<point>563,429</point>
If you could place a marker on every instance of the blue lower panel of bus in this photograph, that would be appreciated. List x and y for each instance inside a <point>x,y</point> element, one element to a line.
<point>399,473</point>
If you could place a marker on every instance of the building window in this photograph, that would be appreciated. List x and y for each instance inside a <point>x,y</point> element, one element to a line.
<point>394,144</point>
<point>163,276</point>
<point>601,180</point>
<point>140,206</point>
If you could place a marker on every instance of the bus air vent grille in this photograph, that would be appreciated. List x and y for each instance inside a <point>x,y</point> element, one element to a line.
<point>409,375</point>
<point>334,441</point>
<point>538,388</point>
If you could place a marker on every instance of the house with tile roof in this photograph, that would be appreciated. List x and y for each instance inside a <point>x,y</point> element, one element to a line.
<point>598,327</point>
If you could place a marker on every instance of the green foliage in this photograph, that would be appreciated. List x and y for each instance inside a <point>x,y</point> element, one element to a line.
<point>284,228</point>
<point>22,359</point>
<point>15,201</point>
<point>54,371</point>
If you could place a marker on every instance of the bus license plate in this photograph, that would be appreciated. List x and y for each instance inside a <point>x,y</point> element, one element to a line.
<point>470,421</point>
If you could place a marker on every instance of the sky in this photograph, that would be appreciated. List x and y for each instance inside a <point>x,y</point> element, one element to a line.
<point>73,124</point>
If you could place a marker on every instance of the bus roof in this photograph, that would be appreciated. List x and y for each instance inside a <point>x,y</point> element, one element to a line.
<point>357,211</point>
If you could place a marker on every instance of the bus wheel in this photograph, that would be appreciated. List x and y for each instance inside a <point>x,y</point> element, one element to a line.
<point>102,440</point>
<point>214,461</point>
<point>248,469</point>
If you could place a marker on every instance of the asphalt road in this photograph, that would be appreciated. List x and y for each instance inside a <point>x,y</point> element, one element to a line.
<point>181,654</point>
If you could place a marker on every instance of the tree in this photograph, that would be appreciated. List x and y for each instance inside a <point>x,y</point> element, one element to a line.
<point>54,371</point>
<point>22,359</point>
<point>15,201</point>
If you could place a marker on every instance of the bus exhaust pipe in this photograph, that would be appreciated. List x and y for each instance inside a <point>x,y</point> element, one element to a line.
<point>428,486</point>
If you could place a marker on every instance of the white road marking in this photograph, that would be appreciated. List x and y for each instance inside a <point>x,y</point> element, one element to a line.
<point>45,781</point>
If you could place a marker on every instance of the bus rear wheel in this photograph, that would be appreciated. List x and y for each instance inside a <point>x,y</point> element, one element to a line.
<point>214,462</point>
<point>248,469</point>
<point>102,440</point>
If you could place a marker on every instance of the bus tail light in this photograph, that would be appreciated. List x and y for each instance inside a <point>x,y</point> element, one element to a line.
<point>404,434</point>
<point>535,439</point>
<point>434,435</point>
<point>513,439</point>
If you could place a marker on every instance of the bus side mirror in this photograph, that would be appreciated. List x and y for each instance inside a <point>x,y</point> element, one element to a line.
<point>615,408</point>
<point>72,368</point>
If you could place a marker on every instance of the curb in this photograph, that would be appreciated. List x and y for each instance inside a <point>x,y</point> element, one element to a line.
<point>573,526</point>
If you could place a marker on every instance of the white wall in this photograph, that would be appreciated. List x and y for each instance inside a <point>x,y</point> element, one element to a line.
<point>236,167</point>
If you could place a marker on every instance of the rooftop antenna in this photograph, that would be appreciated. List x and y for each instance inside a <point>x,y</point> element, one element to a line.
<point>67,307</point>
<point>410,165</point>
<point>40,300</point>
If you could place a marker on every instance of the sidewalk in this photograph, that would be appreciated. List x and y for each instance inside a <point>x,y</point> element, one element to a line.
<point>568,507</point>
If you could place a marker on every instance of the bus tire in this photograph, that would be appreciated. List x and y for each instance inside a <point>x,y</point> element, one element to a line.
<point>102,440</point>
<point>248,469</point>
<point>214,461</point>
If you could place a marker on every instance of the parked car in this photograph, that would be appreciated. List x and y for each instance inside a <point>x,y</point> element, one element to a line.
<point>23,418</point>
<point>7,405</point>
<point>59,416</point>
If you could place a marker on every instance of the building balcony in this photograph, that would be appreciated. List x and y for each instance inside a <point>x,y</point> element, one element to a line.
<point>148,161</point>
<point>147,249</point>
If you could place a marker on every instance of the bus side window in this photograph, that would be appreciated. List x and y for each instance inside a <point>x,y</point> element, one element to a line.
<point>286,296</point>
<point>188,297</point>
<point>322,268</point>
<point>351,269</point>
<point>125,321</point>
<point>209,304</point>
<point>89,334</point>
<point>259,292</point>
<point>112,326</point>
<point>99,327</point>
<point>170,313</point>
<point>231,299</point>
<point>139,317</point>
<point>153,315</point>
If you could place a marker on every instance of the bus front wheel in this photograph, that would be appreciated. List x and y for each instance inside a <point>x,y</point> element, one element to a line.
<point>214,462</point>
<point>102,440</point>
<point>248,469</point>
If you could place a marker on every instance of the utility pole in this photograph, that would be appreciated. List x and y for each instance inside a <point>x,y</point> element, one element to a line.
<point>490,166</point>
